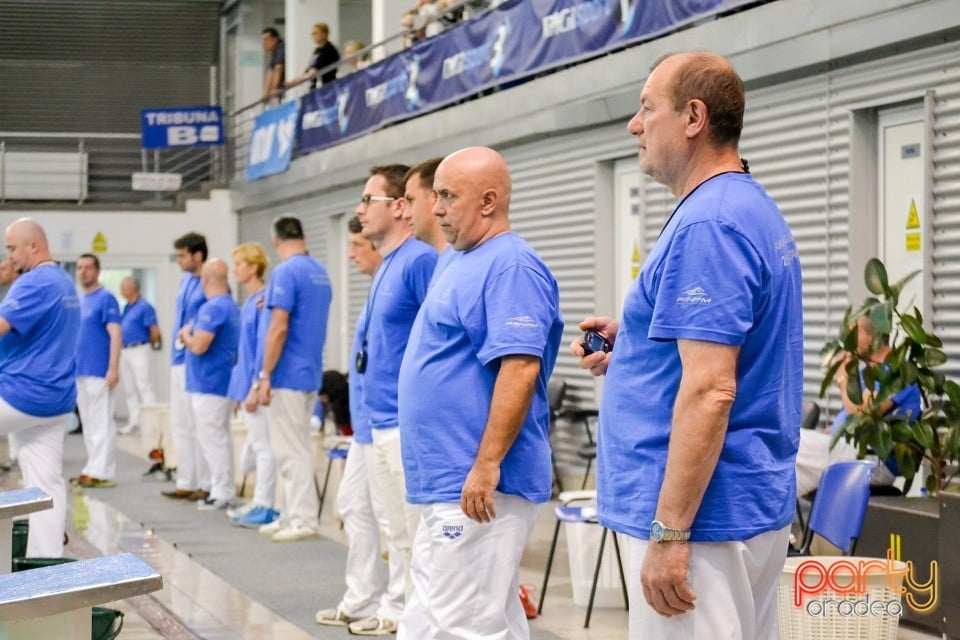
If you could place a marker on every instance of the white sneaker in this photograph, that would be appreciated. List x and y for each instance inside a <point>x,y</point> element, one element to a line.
<point>240,510</point>
<point>295,532</point>
<point>373,626</point>
<point>333,617</point>
<point>127,430</point>
<point>271,529</point>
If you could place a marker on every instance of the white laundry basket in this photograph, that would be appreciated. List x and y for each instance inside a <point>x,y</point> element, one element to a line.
<point>873,613</point>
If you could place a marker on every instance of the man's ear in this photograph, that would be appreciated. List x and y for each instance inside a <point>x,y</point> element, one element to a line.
<point>696,118</point>
<point>489,200</point>
<point>398,206</point>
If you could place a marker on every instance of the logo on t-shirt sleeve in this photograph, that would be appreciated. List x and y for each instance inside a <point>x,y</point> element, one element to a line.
<point>695,295</point>
<point>522,322</point>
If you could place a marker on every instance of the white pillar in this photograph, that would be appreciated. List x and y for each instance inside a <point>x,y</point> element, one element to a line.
<point>299,19</point>
<point>386,16</point>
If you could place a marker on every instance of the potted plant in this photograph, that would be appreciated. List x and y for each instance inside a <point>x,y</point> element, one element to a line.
<point>914,357</point>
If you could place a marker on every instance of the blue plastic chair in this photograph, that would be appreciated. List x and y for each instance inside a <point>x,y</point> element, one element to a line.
<point>840,506</point>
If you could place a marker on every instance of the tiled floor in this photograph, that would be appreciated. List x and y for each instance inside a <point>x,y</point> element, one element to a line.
<point>195,602</point>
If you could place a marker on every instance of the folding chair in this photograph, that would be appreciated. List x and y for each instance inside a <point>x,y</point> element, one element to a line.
<point>334,453</point>
<point>556,390</point>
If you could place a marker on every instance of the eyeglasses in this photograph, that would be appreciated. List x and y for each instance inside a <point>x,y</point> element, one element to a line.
<point>367,199</point>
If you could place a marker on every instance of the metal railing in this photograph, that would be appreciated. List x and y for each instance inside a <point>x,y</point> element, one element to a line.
<point>105,165</point>
<point>239,124</point>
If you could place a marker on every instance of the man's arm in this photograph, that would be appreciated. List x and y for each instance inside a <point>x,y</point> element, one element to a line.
<point>708,386</point>
<point>4,327</point>
<point>512,395</point>
<point>273,345</point>
<point>274,80</point>
<point>116,343</point>
<point>154,335</point>
<point>197,341</point>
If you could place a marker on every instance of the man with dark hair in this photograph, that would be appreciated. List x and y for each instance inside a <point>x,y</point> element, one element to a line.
<point>39,327</point>
<point>396,293</point>
<point>290,372</point>
<point>274,46</point>
<point>98,371</point>
<point>418,192</point>
<point>712,332</point>
<point>193,476</point>
<point>358,498</point>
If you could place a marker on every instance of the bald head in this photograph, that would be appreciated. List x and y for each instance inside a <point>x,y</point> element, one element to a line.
<point>473,189</point>
<point>26,244</point>
<point>213,277</point>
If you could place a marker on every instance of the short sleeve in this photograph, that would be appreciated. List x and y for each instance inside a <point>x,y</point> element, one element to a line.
<point>210,318</point>
<point>109,310</point>
<point>710,281</point>
<point>419,274</point>
<point>281,293</point>
<point>149,317</point>
<point>513,316</point>
<point>25,305</point>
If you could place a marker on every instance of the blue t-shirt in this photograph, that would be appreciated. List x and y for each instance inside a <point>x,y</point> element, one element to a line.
<point>189,298</point>
<point>38,354</point>
<point>724,270</point>
<point>210,372</point>
<point>442,261</point>
<point>396,293</point>
<point>300,286</point>
<point>359,419</point>
<point>495,300</point>
<point>136,321</point>
<point>254,317</point>
<point>97,309</point>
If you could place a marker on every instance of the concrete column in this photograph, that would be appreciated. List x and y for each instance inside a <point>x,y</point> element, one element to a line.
<point>386,23</point>
<point>300,17</point>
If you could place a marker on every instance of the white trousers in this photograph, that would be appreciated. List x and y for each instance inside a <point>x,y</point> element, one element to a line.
<point>258,435</point>
<point>95,402</point>
<point>814,456</point>
<point>466,575</point>
<point>288,415</point>
<point>402,518</point>
<point>736,588</point>
<point>192,470</point>
<point>40,442</point>
<point>135,378</point>
<point>366,574</point>
<point>211,416</point>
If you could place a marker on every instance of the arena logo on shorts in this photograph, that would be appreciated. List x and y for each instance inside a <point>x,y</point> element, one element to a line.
<point>452,531</point>
<point>696,295</point>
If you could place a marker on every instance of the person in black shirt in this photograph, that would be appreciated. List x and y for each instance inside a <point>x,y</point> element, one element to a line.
<point>323,56</point>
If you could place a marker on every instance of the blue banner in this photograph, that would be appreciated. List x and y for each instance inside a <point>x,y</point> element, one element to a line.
<point>271,143</point>
<point>181,127</point>
<point>517,39</point>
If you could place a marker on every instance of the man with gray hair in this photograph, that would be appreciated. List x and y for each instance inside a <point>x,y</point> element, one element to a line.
<point>138,324</point>
<point>39,329</point>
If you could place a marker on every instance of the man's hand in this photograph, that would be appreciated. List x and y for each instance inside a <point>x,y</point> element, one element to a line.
<point>185,330</point>
<point>263,393</point>
<point>597,362</point>
<point>252,401</point>
<point>112,378</point>
<point>664,578</point>
<point>476,498</point>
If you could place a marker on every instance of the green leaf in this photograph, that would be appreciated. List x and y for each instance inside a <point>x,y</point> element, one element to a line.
<point>854,391</point>
<point>828,377</point>
<point>934,341</point>
<point>914,329</point>
<point>898,287</point>
<point>934,357</point>
<point>916,311</point>
<point>909,373</point>
<point>850,339</point>
<point>951,443</point>
<point>931,484</point>
<point>953,392</point>
<point>830,348</point>
<point>923,434</point>
<point>881,442</point>
<point>901,431</point>
<point>906,464</point>
<point>875,277</point>
<point>881,317</point>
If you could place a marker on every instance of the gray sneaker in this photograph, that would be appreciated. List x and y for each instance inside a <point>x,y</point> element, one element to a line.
<point>333,617</point>
<point>373,626</point>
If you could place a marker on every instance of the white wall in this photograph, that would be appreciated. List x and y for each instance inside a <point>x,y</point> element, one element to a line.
<point>141,239</point>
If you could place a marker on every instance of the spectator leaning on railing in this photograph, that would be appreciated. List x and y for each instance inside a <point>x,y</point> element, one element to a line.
<point>273,45</point>
<point>323,56</point>
<point>351,48</point>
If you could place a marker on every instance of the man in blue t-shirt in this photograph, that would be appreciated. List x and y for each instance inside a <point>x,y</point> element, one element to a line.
<point>39,328</point>
<point>396,293</point>
<point>290,367</point>
<point>700,414</point>
<point>358,498</point>
<point>473,409</point>
<point>211,342</point>
<point>815,455</point>
<point>98,366</point>
<point>193,476</point>
<point>418,213</point>
<point>138,323</point>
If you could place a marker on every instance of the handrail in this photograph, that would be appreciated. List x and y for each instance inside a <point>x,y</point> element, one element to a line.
<point>359,54</point>
<point>69,136</point>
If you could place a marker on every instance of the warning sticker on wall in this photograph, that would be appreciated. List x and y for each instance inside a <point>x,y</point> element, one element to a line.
<point>913,241</point>
<point>99,243</point>
<point>913,218</point>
